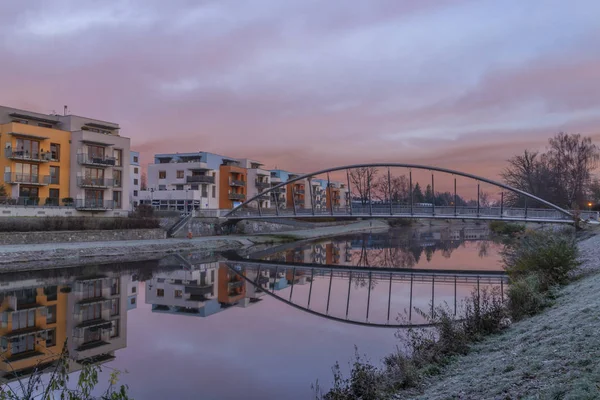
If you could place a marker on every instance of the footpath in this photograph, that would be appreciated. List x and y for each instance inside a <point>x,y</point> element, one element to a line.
<point>48,255</point>
<point>553,355</point>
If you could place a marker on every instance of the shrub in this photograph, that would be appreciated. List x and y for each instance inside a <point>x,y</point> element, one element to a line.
<point>525,297</point>
<point>144,211</point>
<point>550,256</point>
<point>68,201</point>
<point>504,228</point>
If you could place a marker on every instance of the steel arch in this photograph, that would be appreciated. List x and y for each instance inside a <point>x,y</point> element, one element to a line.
<point>402,165</point>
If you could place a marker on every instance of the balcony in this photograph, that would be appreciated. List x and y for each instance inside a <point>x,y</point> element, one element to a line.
<point>299,191</point>
<point>86,182</point>
<point>97,161</point>
<point>237,196</point>
<point>263,185</point>
<point>94,204</point>
<point>24,155</point>
<point>200,179</point>
<point>28,179</point>
<point>236,182</point>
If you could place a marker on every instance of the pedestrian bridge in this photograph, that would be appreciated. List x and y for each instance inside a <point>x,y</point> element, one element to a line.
<point>366,195</point>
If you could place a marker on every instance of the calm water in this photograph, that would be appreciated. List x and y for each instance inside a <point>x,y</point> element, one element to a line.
<point>196,326</point>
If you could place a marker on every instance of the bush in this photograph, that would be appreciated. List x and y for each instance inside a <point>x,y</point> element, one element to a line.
<point>525,297</point>
<point>144,211</point>
<point>504,228</point>
<point>549,256</point>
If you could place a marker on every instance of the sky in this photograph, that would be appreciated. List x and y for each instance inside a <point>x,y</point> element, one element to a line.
<point>309,84</point>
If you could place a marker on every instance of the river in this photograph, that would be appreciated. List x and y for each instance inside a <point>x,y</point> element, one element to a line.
<point>217,326</point>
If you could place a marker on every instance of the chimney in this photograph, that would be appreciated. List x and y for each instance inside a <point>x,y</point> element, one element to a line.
<point>65,113</point>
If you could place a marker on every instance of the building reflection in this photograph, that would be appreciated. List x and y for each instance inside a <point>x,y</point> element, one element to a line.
<point>39,314</point>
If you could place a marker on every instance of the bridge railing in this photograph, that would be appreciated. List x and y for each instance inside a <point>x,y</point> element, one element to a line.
<point>379,210</point>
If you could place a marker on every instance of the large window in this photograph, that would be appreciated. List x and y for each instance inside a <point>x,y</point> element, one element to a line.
<point>91,312</point>
<point>180,174</point>
<point>95,152</point>
<point>27,173</point>
<point>55,151</point>
<point>136,159</point>
<point>92,289</point>
<point>53,197</point>
<point>22,344</point>
<point>90,335</point>
<point>135,182</point>
<point>117,178</point>
<point>117,199</point>
<point>54,175</point>
<point>162,174</point>
<point>136,170</point>
<point>23,319</point>
<point>114,307</point>
<point>51,314</point>
<point>94,197</point>
<point>28,148</point>
<point>30,193</point>
<point>118,155</point>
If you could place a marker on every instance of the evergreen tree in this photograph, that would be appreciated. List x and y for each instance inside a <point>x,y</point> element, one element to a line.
<point>428,194</point>
<point>418,194</point>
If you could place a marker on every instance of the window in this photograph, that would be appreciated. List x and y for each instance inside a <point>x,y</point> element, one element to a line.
<point>30,194</point>
<point>51,338</point>
<point>160,292</point>
<point>51,314</point>
<point>27,149</point>
<point>54,151</point>
<point>136,159</point>
<point>53,197</point>
<point>26,173</point>
<point>135,182</point>
<point>133,289</point>
<point>118,155</point>
<point>22,344</point>
<point>90,335</point>
<point>91,312</point>
<point>214,191</point>
<point>23,319</point>
<point>162,187</point>
<point>117,199</point>
<point>43,125</point>
<point>54,175</point>
<point>162,174</point>
<point>178,294</point>
<point>114,307</point>
<point>135,193</point>
<point>204,190</point>
<point>114,286</point>
<point>180,174</point>
<point>194,187</point>
<point>95,152</point>
<point>116,178</point>
<point>114,329</point>
<point>51,293</point>
<point>92,289</point>
<point>178,187</point>
<point>132,301</point>
<point>136,170</point>
<point>94,198</point>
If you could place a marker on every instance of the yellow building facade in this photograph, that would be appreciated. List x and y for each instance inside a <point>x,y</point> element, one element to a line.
<point>35,162</point>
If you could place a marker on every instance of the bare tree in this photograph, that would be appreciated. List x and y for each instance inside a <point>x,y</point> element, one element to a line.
<point>484,199</point>
<point>362,181</point>
<point>399,188</point>
<point>594,190</point>
<point>562,175</point>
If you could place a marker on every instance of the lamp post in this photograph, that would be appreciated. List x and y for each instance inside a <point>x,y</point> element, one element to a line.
<point>590,205</point>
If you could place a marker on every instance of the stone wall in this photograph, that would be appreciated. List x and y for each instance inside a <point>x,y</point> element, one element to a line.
<point>22,211</point>
<point>80,236</point>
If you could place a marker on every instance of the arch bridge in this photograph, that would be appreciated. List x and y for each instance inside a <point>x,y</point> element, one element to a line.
<point>355,197</point>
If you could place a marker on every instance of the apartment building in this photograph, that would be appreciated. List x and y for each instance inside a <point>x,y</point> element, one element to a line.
<point>195,181</point>
<point>259,180</point>
<point>36,160</point>
<point>135,178</point>
<point>279,195</point>
<point>48,158</point>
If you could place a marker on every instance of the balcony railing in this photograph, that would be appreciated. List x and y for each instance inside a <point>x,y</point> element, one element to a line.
<point>237,196</point>
<point>27,156</point>
<point>263,185</point>
<point>299,191</point>
<point>94,204</point>
<point>34,201</point>
<point>28,179</point>
<point>236,182</point>
<point>83,181</point>
<point>200,179</point>
<point>102,161</point>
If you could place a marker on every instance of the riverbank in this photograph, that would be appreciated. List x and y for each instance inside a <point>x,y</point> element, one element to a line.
<point>52,255</point>
<point>552,355</point>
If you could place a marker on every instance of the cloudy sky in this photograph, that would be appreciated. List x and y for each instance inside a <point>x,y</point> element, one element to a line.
<point>305,84</point>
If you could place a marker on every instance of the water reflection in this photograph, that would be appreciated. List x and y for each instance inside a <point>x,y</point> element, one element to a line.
<point>193,299</point>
